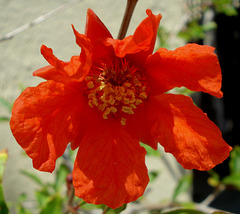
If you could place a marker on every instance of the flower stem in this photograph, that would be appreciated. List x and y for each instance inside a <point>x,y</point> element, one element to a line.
<point>131,4</point>
<point>69,207</point>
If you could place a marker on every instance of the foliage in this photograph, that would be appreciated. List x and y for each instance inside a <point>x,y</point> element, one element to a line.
<point>194,31</point>
<point>233,179</point>
<point>225,6</point>
<point>184,185</point>
<point>3,159</point>
<point>8,106</point>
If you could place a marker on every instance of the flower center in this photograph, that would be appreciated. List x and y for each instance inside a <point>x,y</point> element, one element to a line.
<point>116,88</point>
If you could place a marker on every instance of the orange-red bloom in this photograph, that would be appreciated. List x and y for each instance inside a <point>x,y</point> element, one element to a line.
<point>111,97</point>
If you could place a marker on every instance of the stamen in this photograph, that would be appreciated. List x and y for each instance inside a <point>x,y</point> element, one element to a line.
<point>123,121</point>
<point>116,87</point>
<point>128,110</point>
<point>90,85</point>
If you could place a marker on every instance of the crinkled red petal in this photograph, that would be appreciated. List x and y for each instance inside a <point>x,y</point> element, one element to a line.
<point>141,42</point>
<point>74,70</point>
<point>85,56</point>
<point>110,166</point>
<point>193,66</point>
<point>141,125</point>
<point>186,132</point>
<point>44,120</point>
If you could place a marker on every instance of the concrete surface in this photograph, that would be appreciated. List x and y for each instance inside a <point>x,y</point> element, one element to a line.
<point>20,56</point>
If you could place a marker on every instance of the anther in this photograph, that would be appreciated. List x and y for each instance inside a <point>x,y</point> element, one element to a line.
<point>127,110</point>
<point>143,95</point>
<point>123,121</point>
<point>90,85</point>
<point>115,86</point>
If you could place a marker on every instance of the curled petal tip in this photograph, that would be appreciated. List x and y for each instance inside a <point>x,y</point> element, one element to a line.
<point>150,13</point>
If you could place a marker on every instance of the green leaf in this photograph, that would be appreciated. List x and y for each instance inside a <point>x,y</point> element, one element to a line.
<point>184,185</point>
<point>8,105</point>
<point>42,196</point>
<point>61,175</point>
<point>150,150</point>
<point>162,36</point>
<point>214,179</point>
<point>184,211</point>
<point>116,211</point>
<point>234,163</point>
<point>4,118</point>
<point>226,7</point>
<point>22,210</point>
<point>33,177</point>
<point>193,31</point>
<point>3,205</point>
<point>233,180</point>
<point>153,175</point>
<point>3,159</point>
<point>53,206</point>
<point>209,26</point>
<point>86,206</point>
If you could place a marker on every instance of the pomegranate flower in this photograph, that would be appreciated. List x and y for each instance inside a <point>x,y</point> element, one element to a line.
<point>109,98</point>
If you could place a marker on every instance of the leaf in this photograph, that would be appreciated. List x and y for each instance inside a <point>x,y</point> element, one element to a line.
<point>233,180</point>
<point>214,179</point>
<point>116,211</point>
<point>184,185</point>
<point>22,210</point>
<point>184,211</point>
<point>162,36</point>
<point>42,196</point>
<point>53,206</point>
<point>61,175</point>
<point>153,175</point>
<point>4,118</point>
<point>33,177</point>
<point>3,159</point>
<point>226,7</point>
<point>234,163</point>
<point>149,150</point>
<point>8,105</point>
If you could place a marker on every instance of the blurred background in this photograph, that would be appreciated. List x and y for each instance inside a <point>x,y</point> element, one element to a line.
<point>27,24</point>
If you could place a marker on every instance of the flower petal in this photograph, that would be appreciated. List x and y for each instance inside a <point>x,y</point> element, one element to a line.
<point>141,125</point>
<point>186,132</point>
<point>143,39</point>
<point>193,66</point>
<point>44,120</point>
<point>51,73</point>
<point>85,56</point>
<point>96,31</point>
<point>59,71</point>
<point>110,167</point>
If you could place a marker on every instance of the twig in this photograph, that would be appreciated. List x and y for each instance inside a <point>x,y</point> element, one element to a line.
<point>105,210</point>
<point>38,20</point>
<point>213,196</point>
<point>131,4</point>
<point>69,207</point>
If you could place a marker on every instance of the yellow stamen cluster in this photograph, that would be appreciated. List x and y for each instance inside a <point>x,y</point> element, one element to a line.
<point>116,92</point>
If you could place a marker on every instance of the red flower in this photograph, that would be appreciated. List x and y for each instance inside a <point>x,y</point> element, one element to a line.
<point>111,97</point>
